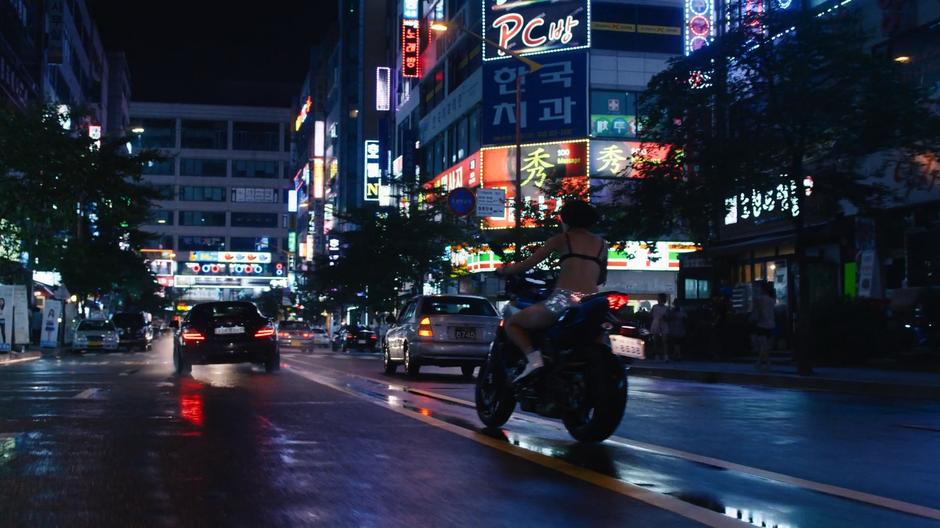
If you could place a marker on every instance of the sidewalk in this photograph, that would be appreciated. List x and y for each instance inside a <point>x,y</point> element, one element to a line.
<point>869,381</point>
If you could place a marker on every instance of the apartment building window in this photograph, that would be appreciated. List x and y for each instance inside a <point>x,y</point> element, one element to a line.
<point>202,218</point>
<point>435,91</point>
<point>204,134</point>
<point>254,219</point>
<point>463,63</point>
<point>203,167</point>
<point>253,244</point>
<point>196,193</point>
<point>165,192</point>
<point>201,243</point>
<point>160,217</point>
<point>165,167</point>
<point>254,169</point>
<point>254,195</point>
<point>256,136</point>
<point>157,133</point>
<point>473,131</point>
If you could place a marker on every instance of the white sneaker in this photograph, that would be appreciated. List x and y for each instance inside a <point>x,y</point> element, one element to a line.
<point>533,363</point>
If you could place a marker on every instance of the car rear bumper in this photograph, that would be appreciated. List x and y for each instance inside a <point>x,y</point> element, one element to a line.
<point>95,346</point>
<point>449,354</point>
<point>295,343</point>
<point>205,353</point>
<point>135,342</point>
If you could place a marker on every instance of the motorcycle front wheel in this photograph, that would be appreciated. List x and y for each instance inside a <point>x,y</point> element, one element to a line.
<point>494,398</point>
<point>602,408</point>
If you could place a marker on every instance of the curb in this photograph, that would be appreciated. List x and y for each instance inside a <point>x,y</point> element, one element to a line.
<point>793,381</point>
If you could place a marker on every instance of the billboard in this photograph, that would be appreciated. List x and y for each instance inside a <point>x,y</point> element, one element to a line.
<point>554,100</point>
<point>542,164</point>
<point>699,24</point>
<point>613,113</point>
<point>613,159</point>
<point>637,27</point>
<point>535,26</point>
<point>249,257</point>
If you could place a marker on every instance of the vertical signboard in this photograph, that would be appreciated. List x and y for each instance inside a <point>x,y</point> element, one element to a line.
<point>51,313</point>
<point>318,183</point>
<point>383,83</point>
<point>699,24</point>
<point>530,28</point>
<point>554,100</point>
<point>410,48</point>
<point>372,172</point>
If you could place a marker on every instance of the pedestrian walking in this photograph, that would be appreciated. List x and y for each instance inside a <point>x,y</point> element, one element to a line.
<point>675,330</point>
<point>762,324</point>
<point>659,327</point>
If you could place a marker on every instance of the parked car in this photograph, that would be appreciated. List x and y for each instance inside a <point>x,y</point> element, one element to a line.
<point>441,330</point>
<point>95,334</point>
<point>135,329</point>
<point>225,332</point>
<point>353,337</point>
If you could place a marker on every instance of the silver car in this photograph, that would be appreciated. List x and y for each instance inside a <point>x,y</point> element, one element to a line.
<point>93,334</point>
<point>441,330</point>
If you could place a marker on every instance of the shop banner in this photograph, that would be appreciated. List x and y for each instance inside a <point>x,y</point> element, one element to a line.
<point>554,100</point>
<point>51,315</point>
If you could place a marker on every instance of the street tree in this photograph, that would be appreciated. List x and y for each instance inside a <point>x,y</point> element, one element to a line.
<point>74,205</point>
<point>771,101</point>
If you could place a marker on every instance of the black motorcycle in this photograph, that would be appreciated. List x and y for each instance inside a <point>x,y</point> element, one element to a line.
<point>587,353</point>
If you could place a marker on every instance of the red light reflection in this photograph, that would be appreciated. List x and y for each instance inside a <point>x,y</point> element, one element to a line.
<point>191,408</point>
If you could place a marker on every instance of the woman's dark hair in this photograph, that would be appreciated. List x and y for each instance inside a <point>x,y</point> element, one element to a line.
<point>577,213</point>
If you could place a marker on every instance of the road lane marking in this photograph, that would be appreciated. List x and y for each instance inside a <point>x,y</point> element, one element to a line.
<point>18,360</point>
<point>829,489</point>
<point>639,493</point>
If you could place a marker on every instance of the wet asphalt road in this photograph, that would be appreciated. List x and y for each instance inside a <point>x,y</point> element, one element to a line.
<point>118,440</point>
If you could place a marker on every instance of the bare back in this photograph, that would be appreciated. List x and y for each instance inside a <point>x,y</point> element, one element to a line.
<point>580,274</point>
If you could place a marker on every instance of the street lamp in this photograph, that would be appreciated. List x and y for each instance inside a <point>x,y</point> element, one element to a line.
<point>441,27</point>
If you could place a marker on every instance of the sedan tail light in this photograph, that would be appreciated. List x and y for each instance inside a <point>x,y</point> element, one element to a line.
<point>265,331</point>
<point>424,328</point>
<point>193,335</point>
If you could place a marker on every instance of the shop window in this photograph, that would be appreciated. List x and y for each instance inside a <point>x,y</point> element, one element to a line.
<point>254,219</point>
<point>157,133</point>
<point>697,289</point>
<point>203,167</point>
<point>254,169</point>
<point>202,218</point>
<point>255,136</point>
<point>193,193</point>
<point>165,167</point>
<point>161,217</point>
<point>204,134</point>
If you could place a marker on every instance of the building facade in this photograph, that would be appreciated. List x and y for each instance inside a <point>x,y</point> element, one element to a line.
<point>220,230</point>
<point>21,52</point>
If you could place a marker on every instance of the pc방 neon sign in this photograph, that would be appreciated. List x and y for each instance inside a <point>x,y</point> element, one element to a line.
<point>536,27</point>
<point>410,48</point>
<point>699,24</point>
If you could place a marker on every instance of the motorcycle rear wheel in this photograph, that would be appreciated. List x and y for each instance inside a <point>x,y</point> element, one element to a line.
<point>602,411</point>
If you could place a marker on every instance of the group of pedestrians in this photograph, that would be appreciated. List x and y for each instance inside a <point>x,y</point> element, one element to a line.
<point>668,327</point>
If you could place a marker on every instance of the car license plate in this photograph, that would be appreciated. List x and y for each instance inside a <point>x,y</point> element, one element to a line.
<point>362,341</point>
<point>465,333</point>
<point>225,330</point>
<point>94,342</point>
<point>630,347</point>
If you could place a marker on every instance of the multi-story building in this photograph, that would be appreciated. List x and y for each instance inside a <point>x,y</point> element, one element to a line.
<point>456,101</point>
<point>21,40</point>
<point>222,225</point>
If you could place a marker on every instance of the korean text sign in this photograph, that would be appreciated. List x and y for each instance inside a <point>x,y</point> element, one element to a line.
<point>554,101</point>
<point>543,165</point>
<point>535,26</point>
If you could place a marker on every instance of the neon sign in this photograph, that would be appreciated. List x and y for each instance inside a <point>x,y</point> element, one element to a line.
<point>382,88</point>
<point>230,256</point>
<point>409,9</point>
<point>302,116</point>
<point>372,170</point>
<point>530,28</point>
<point>410,48</point>
<point>318,178</point>
<point>700,24</point>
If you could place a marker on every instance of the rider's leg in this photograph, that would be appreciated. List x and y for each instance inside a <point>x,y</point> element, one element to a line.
<point>534,317</point>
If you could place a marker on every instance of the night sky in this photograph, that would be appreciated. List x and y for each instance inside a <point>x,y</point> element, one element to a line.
<point>206,51</point>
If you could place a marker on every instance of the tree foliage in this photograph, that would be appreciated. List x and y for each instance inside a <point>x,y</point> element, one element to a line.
<point>74,206</point>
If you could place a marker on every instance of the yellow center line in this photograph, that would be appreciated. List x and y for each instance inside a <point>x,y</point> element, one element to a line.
<point>829,489</point>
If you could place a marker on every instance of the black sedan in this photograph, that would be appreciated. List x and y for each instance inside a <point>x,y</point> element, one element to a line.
<point>355,337</point>
<point>225,332</point>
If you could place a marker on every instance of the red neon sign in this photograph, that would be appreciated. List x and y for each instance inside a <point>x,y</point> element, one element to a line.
<point>410,48</point>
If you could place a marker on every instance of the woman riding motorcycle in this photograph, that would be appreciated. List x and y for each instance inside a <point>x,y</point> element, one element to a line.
<point>583,264</point>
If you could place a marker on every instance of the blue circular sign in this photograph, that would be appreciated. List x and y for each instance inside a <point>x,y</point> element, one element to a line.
<point>461,201</point>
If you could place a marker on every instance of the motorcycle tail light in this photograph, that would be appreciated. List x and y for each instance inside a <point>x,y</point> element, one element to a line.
<point>265,331</point>
<point>616,301</point>
<point>192,335</point>
<point>424,328</point>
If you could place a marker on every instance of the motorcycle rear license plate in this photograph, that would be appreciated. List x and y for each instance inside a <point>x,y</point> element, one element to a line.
<point>630,347</point>
<point>465,333</point>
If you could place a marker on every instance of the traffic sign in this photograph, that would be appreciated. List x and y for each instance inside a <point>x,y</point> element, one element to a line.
<point>491,202</point>
<point>461,201</point>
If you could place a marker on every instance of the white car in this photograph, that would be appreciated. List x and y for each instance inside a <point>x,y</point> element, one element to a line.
<point>95,334</point>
